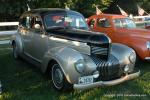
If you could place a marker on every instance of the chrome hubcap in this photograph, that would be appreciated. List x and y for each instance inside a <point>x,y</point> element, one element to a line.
<point>57,76</point>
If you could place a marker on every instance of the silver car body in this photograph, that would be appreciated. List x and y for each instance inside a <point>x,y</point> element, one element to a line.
<point>41,48</point>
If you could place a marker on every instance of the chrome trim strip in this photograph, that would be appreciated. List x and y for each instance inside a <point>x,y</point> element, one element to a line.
<point>27,54</point>
<point>106,83</point>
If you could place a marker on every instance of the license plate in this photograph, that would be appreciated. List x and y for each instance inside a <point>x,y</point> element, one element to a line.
<point>86,80</point>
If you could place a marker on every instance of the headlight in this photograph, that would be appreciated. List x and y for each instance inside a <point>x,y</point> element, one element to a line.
<point>126,68</point>
<point>148,45</point>
<point>132,57</point>
<point>96,74</point>
<point>80,66</point>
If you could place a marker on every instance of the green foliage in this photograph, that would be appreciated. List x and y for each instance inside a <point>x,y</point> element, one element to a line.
<point>15,8</point>
<point>129,6</point>
<point>12,9</point>
<point>86,6</point>
<point>145,4</point>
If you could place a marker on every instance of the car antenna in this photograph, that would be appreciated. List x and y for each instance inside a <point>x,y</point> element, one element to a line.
<point>28,7</point>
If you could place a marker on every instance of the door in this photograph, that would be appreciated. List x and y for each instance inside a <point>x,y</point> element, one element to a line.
<point>39,39</point>
<point>103,25</point>
<point>26,34</point>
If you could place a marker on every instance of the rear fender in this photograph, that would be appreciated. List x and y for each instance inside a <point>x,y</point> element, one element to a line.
<point>16,38</point>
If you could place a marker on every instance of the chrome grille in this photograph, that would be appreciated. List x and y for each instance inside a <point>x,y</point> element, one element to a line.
<point>100,50</point>
<point>110,69</point>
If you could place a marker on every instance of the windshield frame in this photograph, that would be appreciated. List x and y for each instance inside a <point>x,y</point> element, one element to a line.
<point>65,14</point>
<point>126,23</point>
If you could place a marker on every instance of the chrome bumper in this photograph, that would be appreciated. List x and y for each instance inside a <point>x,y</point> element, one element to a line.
<point>147,58</point>
<point>106,83</point>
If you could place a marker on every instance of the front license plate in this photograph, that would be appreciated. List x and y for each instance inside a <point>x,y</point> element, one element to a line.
<point>86,80</point>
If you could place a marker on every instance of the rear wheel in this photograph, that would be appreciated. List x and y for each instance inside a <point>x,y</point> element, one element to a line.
<point>58,78</point>
<point>15,53</point>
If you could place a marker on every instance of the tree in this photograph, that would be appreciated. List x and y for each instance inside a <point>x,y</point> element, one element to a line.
<point>145,4</point>
<point>15,8</point>
<point>87,8</point>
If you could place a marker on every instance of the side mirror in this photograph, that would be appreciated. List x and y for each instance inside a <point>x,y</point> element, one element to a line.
<point>37,26</point>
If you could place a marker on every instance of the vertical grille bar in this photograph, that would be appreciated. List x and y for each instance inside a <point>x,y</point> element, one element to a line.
<point>100,50</point>
<point>108,69</point>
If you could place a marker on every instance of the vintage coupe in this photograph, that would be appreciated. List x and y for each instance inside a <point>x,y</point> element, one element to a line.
<point>57,41</point>
<point>123,30</point>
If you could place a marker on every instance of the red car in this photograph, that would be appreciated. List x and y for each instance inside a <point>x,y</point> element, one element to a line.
<point>147,24</point>
<point>123,30</point>
<point>147,27</point>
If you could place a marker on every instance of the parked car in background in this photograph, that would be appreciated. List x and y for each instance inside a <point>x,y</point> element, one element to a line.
<point>147,24</point>
<point>58,42</point>
<point>123,30</point>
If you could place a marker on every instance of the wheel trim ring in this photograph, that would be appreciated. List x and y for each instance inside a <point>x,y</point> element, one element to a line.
<point>54,81</point>
<point>15,51</point>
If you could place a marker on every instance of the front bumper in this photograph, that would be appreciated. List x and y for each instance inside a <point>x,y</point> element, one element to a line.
<point>147,58</point>
<point>107,83</point>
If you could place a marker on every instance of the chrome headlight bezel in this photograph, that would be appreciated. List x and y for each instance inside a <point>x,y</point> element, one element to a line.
<point>126,68</point>
<point>80,65</point>
<point>132,57</point>
<point>148,45</point>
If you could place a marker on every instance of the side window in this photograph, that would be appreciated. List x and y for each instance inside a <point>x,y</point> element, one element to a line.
<point>103,22</point>
<point>118,23</point>
<point>25,22</point>
<point>36,23</point>
<point>22,22</point>
<point>28,21</point>
<point>91,23</point>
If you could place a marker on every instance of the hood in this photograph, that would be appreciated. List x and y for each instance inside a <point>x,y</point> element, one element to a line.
<point>136,32</point>
<point>80,35</point>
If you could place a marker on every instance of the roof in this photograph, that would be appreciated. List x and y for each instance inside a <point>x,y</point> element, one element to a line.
<point>112,16</point>
<point>42,11</point>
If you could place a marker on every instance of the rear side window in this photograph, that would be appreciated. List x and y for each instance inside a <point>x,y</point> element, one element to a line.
<point>22,22</point>
<point>25,22</point>
<point>91,23</point>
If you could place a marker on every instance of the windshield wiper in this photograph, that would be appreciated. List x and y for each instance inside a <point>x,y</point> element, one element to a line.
<point>64,27</point>
<point>56,28</point>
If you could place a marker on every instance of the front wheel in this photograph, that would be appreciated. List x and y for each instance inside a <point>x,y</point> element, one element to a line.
<point>138,61</point>
<point>59,79</point>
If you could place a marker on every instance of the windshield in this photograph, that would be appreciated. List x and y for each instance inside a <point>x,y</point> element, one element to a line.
<point>65,20</point>
<point>124,23</point>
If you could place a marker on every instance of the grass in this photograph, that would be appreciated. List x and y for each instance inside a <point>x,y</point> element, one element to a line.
<point>23,81</point>
<point>4,37</point>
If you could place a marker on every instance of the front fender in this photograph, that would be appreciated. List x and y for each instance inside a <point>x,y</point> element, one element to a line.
<point>66,57</point>
<point>122,53</point>
<point>140,47</point>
